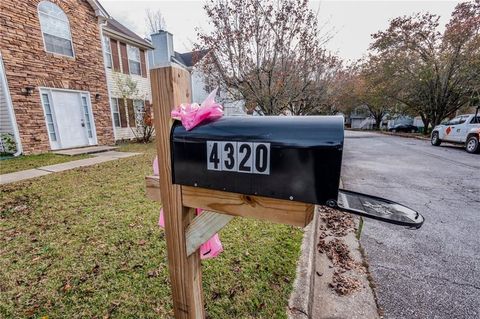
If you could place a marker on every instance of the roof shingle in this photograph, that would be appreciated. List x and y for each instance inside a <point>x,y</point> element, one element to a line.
<point>116,26</point>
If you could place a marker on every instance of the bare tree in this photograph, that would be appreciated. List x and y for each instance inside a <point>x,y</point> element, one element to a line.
<point>144,128</point>
<point>269,54</point>
<point>127,87</point>
<point>141,120</point>
<point>155,21</point>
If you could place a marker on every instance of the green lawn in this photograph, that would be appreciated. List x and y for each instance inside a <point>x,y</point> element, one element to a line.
<point>85,244</point>
<point>15,164</point>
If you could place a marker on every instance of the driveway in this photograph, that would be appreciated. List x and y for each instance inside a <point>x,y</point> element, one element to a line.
<point>433,272</point>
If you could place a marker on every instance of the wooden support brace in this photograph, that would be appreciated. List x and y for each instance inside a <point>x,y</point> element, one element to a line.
<point>274,210</point>
<point>258,207</point>
<point>203,227</point>
<point>152,184</point>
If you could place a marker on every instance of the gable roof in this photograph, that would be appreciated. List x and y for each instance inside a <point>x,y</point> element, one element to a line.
<point>117,29</point>
<point>99,10</point>
<point>189,59</point>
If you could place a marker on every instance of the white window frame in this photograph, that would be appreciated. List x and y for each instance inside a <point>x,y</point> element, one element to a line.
<point>87,116</point>
<point>54,144</point>
<point>43,33</point>
<point>115,103</point>
<point>107,48</point>
<point>132,60</point>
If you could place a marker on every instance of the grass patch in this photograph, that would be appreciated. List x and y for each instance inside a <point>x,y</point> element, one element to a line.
<point>84,243</point>
<point>23,162</point>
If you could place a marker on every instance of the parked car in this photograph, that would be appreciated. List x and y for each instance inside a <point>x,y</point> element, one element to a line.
<point>463,129</point>
<point>407,128</point>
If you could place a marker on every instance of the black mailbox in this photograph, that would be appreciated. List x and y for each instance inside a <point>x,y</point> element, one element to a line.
<point>294,158</point>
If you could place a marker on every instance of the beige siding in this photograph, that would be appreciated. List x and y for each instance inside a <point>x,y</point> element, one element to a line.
<point>124,133</point>
<point>6,125</point>
<point>144,93</point>
<point>143,85</point>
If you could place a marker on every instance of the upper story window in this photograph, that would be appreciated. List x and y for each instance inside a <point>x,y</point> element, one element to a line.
<point>134,60</point>
<point>108,51</point>
<point>55,29</point>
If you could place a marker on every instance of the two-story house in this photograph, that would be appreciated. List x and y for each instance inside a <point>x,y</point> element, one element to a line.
<point>53,83</point>
<point>128,77</point>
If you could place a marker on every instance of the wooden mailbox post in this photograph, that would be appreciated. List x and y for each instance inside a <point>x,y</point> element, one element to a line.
<point>184,232</point>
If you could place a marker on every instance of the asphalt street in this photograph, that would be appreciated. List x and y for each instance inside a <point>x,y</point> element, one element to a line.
<point>433,272</point>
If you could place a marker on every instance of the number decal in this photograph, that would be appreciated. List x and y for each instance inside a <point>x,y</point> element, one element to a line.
<point>253,158</point>
<point>262,158</point>
<point>213,162</point>
<point>229,158</point>
<point>245,157</point>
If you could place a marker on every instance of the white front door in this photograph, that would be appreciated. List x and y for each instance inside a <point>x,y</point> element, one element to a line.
<point>68,118</point>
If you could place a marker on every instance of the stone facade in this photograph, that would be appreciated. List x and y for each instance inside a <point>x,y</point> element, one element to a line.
<point>28,64</point>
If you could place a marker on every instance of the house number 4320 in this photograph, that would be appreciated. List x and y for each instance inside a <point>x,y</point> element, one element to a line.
<point>238,157</point>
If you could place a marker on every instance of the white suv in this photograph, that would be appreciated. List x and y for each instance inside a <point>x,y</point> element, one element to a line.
<point>464,129</point>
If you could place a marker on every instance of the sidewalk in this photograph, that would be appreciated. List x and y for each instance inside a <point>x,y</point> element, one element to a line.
<point>332,274</point>
<point>45,170</point>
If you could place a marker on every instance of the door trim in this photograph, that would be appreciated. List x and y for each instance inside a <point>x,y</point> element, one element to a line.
<point>55,145</point>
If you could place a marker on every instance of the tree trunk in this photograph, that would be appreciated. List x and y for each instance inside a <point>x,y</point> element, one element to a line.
<point>426,122</point>
<point>378,121</point>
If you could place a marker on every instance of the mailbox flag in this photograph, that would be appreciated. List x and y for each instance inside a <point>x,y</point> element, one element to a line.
<point>209,249</point>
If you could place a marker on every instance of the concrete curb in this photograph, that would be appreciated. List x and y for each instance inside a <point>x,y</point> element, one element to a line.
<point>300,302</point>
<point>361,302</point>
<point>418,137</point>
<point>313,296</point>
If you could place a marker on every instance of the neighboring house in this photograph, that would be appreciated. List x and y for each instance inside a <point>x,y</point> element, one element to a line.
<point>360,118</point>
<point>54,91</point>
<point>128,78</point>
<point>405,119</point>
<point>165,55</point>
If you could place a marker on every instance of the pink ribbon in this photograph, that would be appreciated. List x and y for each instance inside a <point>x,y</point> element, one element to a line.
<point>192,115</point>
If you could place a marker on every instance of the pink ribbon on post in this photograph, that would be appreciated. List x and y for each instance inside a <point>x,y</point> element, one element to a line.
<point>191,116</point>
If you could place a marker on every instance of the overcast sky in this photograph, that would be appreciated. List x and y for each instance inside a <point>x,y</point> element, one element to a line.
<point>352,21</point>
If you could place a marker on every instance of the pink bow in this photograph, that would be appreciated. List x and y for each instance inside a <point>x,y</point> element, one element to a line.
<point>193,114</point>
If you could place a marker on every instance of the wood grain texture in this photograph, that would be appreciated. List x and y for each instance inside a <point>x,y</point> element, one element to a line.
<point>152,184</point>
<point>274,210</point>
<point>264,208</point>
<point>203,227</point>
<point>171,87</point>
